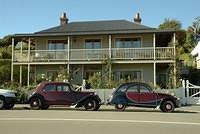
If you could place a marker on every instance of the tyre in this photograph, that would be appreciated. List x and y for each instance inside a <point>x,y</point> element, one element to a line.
<point>35,103</point>
<point>2,102</point>
<point>45,107</point>
<point>9,106</point>
<point>167,106</point>
<point>91,105</point>
<point>120,107</point>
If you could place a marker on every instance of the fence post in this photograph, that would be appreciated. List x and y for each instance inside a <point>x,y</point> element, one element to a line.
<point>187,91</point>
<point>104,96</point>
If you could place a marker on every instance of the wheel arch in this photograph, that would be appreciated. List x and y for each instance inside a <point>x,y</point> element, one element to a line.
<point>37,96</point>
<point>82,100</point>
<point>168,99</point>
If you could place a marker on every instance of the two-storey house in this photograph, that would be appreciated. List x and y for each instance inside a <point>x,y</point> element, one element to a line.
<point>136,51</point>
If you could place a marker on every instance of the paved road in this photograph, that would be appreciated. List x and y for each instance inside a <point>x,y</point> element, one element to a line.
<point>67,121</point>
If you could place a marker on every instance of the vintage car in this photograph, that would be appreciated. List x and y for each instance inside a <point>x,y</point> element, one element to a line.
<point>141,95</point>
<point>61,93</point>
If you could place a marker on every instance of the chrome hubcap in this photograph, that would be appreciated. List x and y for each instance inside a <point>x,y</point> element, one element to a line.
<point>35,103</point>
<point>120,105</point>
<point>168,106</point>
<point>89,104</point>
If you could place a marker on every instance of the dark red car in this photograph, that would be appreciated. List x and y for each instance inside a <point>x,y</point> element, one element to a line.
<point>141,95</point>
<point>60,93</point>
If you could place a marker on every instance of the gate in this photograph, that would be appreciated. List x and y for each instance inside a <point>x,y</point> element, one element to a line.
<point>192,93</point>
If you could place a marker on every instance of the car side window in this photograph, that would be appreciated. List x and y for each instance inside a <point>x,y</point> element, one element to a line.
<point>122,88</point>
<point>50,88</point>
<point>63,88</point>
<point>132,89</point>
<point>144,89</point>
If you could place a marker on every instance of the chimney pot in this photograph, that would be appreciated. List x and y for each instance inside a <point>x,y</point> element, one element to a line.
<point>137,18</point>
<point>63,19</point>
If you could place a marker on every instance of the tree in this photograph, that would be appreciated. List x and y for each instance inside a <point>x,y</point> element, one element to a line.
<point>6,41</point>
<point>170,24</point>
<point>194,30</point>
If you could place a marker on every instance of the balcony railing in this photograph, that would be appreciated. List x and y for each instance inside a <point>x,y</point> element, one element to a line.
<point>161,53</point>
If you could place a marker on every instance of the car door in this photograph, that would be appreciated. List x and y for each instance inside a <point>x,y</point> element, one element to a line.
<point>50,94</point>
<point>132,94</point>
<point>147,97</point>
<point>66,95</point>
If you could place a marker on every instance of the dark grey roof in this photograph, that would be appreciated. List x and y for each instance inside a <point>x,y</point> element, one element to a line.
<point>95,26</point>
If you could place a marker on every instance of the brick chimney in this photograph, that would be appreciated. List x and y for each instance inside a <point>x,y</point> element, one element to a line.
<point>137,18</point>
<point>63,19</point>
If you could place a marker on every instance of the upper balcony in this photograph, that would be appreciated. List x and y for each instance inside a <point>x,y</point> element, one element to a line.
<point>79,55</point>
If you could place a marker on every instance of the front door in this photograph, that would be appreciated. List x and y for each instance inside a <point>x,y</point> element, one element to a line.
<point>66,95</point>
<point>147,97</point>
<point>132,94</point>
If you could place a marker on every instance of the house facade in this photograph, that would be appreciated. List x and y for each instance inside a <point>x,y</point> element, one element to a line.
<point>196,53</point>
<point>137,52</point>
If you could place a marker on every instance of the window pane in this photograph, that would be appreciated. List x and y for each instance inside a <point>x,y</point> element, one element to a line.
<point>59,88</point>
<point>50,88</point>
<point>93,44</point>
<point>127,75</point>
<point>128,43</point>
<point>144,89</point>
<point>57,44</point>
<point>122,88</point>
<point>133,89</point>
<point>65,88</point>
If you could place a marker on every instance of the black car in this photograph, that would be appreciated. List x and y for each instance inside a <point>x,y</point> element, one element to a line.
<point>141,95</point>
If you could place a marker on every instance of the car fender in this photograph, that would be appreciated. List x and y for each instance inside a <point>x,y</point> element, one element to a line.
<point>166,99</point>
<point>119,100</point>
<point>36,95</point>
<point>80,102</point>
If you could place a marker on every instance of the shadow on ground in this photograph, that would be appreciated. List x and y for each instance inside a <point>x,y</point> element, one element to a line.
<point>108,110</point>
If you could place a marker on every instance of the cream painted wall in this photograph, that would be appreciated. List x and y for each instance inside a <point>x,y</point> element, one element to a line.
<point>146,69</point>
<point>42,42</point>
<point>147,39</point>
<point>77,42</point>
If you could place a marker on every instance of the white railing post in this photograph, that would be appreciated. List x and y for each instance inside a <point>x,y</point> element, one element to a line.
<point>13,45</point>
<point>187,91</point>
<point>68,53</point>
<point>154,63</point>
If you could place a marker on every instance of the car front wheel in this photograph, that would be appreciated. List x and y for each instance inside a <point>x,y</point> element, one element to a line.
<point>120,107</point>
<point>91,105</point>
<point>167,106</point>
<point>35,104</point>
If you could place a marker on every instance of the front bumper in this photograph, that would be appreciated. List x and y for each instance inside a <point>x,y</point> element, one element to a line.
<point>178,103</point>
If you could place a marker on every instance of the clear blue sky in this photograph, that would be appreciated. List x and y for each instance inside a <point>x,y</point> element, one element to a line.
<point>28,16</point>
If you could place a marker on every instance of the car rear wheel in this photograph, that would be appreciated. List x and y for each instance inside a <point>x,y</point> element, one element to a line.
<point>44,107</point>
<point>91,105</point>
<point>167,106</point>
<point>120,107</point>
<point>2,102</point>
<point>9,106</point>
<point>35,103</point>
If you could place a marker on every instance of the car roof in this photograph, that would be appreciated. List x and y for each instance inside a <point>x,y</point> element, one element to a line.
<point>128,83</point>
<point>53,82</point>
